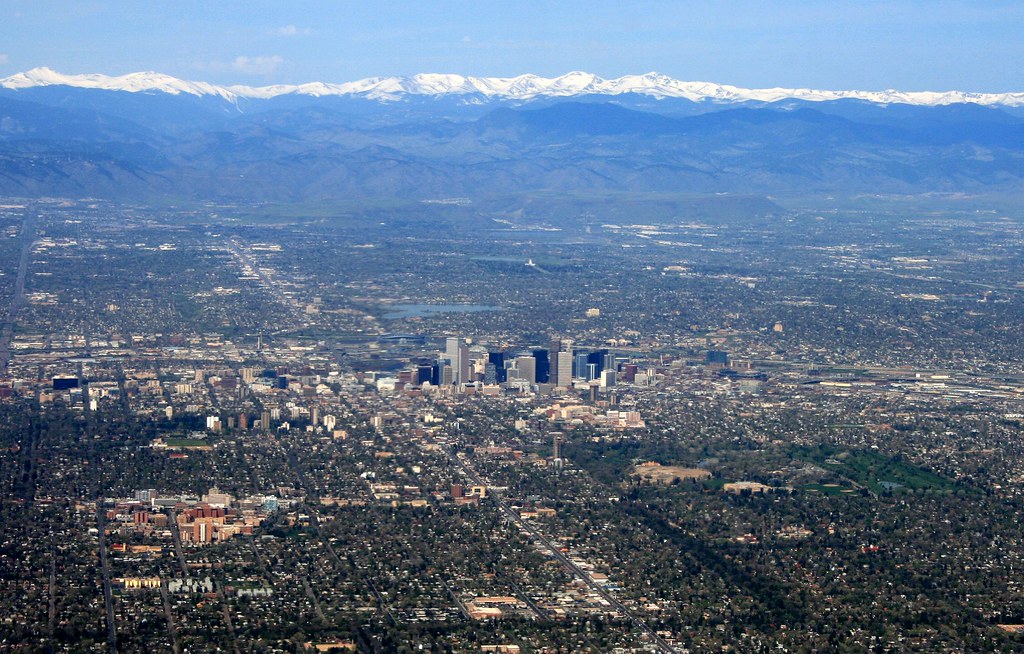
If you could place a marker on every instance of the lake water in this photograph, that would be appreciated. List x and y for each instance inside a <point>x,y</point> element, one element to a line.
<point>398,311</point>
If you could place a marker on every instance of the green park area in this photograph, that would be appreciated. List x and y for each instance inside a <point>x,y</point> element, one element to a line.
<point>875,471</point>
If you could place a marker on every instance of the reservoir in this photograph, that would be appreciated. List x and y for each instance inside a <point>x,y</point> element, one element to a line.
<point>399,311</point>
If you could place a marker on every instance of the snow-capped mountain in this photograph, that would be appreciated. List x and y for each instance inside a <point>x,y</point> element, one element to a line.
<point>132,82</point>
<point>520,88</point>
<point>147,135</point>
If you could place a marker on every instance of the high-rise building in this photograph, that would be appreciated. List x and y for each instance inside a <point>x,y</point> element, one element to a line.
<point>607,378</point>
<point>609,361</point>
<point>498,359</point>
<point>556,449</point>
<point>553,350</point>
<point>579,366</point>
<point>457,353</point>
<point>541,365</point>
<point>525,368</point>
<point>451,355</point>
<point>629,371</point>
<point>463,367</point>
<point>564,378</point>
<point>424,374</point>
<point>718,358</point>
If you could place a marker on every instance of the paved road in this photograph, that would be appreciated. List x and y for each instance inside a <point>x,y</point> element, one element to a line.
<point>366,578</point>
<point>25,487</point>
<point>7,331</point>
<point>303,480</point>
<point>171,630</point>
<point>567,563</point>
<point>52,611</point>
<point>226,612</point>
<point>521,594</point>
<point>455,598</point>
<point>269,284</point>
<point>312,598</point>
<point>178,549</point>
<point>108,595</point>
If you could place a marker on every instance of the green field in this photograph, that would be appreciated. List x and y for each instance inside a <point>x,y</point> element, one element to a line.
<point>875,471</point>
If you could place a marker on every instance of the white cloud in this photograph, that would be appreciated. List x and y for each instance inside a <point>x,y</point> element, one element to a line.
<point>4,59</point>
<point>291,30</point>
<point>256,65</point>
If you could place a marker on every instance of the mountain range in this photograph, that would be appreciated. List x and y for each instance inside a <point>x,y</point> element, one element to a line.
<point>521,88</point>
<point>147,135</point>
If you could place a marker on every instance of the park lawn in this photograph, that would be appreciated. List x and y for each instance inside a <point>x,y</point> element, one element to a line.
<point>876,471</point>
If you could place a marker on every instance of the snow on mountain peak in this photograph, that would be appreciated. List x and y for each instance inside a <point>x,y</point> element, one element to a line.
<point>132,82</point>
<point>519,88</point>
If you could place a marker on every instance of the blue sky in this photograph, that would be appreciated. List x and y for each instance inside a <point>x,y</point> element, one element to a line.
<point>934,45</point>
